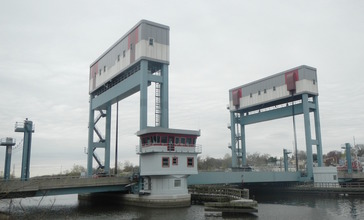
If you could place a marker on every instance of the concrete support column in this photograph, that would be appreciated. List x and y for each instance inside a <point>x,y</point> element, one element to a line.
<point>243,145</point>
<point>234,161</point>
<point>107,140</point>
<point>91,126</point>
<point>318,131</point>
<point>164,97</point>
<point>7,162</point>
<point>143,95</point>
<point>306,116</point>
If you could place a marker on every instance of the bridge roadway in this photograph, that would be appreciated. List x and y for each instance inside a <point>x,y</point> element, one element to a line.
<point>217,177</point>
<point>60,186</point>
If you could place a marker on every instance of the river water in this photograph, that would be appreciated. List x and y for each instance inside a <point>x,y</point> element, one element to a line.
<point>278,206</point>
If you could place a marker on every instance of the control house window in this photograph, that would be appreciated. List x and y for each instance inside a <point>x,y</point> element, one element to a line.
<point>177,183</point>
<point>123,53</point>
<point>175,161</point>
<point>165,161</point>
<point>190,161</point>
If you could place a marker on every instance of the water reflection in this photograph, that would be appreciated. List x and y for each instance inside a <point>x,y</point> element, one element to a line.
<point>336,205</point>
<point>271,206</point>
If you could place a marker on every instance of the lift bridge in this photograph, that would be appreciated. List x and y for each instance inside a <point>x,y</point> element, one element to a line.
<point>141,58</point>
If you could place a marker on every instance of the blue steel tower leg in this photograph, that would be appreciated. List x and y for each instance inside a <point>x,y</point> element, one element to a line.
<point>234,162</point>
<point>144,94</point>
<point>285,160</point>
<point>107,139</point>
<point>243,145</point>
<point>306,116</point>
<point>27,141</point>
<point>7,162</point>
<point>91,125</point>
<point>318,131</point>
<point>164,98</point>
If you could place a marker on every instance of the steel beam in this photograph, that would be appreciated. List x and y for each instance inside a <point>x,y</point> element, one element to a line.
<point>234,161</point>
<point>164,97</point>
<point>318,131</point>
<point>271,114</point>
<point>307,124</point>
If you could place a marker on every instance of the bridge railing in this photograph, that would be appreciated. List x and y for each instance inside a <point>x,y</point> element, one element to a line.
<point>45,183</point>
<point>331,185</point>
<point>232,193</point>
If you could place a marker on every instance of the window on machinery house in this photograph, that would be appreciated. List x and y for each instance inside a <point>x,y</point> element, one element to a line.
<point>151,41</point>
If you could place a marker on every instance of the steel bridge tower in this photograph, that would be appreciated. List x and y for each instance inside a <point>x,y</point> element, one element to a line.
<point>135,61</point>
<point>285,94</point>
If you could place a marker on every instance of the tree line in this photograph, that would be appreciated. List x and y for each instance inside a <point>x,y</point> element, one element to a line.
<point>332,158</point>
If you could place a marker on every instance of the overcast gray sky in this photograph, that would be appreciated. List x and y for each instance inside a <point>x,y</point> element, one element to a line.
<point>46,48</point>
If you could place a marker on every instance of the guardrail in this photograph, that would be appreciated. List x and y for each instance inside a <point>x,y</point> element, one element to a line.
<point>193,148</point>
<point>51,183</point>
<point>232,193</point>
<point>331,185</point>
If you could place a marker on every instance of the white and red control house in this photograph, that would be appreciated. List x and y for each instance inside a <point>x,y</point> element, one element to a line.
<point>167,158</point>
<point>296,81</point>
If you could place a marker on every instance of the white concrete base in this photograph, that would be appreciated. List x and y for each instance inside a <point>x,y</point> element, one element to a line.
<point>157,201</point>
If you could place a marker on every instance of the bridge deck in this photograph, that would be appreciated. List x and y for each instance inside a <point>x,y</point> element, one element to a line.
<point>60,185</point>
<point>239,177</point>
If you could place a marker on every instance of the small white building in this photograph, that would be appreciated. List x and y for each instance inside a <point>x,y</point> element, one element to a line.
<point>325,177</point>
<point>167,158</point>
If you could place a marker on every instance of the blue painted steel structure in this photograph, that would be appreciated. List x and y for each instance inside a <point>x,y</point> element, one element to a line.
<point>147,46</point>
<point>27,128</point>
<point>8,143</point>
<point>276,97</point>
<point>285,159</point>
